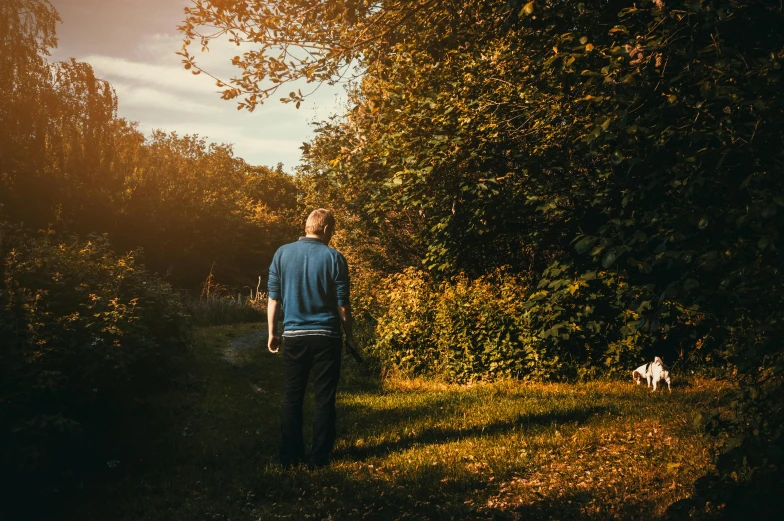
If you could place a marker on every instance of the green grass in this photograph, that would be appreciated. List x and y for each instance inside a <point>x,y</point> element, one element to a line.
<point>407,449</point>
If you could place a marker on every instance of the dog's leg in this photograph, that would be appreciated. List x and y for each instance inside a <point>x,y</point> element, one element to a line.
<point>654,386</point>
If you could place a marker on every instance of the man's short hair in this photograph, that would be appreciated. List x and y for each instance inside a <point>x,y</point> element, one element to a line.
<point>317,220</point>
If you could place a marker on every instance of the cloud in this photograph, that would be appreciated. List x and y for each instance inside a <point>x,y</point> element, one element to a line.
<point>256,146</point>
<point>132,96</point>
<point>154,90</point>
<point>169,77</point>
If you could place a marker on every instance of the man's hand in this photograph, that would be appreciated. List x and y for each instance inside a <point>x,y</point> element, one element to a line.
<point>273,343</point>
<point>350,342</point>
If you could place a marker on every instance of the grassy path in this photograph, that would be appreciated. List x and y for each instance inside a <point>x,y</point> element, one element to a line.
<point>407,449</point>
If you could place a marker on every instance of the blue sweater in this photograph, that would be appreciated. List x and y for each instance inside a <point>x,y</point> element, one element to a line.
<point>310,280</point>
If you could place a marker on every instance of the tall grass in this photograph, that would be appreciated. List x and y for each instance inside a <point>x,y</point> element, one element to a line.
<point>217,305</point>
<point>219,310</point>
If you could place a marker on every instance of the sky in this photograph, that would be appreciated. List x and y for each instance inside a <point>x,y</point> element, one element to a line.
<point>132,44</point>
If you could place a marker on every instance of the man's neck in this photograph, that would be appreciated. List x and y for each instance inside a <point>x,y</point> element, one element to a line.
<point>317,237</point>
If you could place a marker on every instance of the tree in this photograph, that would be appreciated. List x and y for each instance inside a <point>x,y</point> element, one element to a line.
<point>27,32</point>
<point>293,40</point>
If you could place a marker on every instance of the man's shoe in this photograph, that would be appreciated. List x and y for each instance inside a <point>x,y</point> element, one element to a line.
<point>288,463</point>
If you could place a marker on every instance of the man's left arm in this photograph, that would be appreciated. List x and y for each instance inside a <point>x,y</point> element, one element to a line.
<point>348,324</point>
<point>343,293</point>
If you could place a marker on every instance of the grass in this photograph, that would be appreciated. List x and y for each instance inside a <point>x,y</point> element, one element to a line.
<point>223,310</point>
<point>406,449</point>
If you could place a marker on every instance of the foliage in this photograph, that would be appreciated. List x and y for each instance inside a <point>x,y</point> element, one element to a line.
<point>621,141</point>
<point>82,328</point>
<point>498,325</point>
<point>198,209</point>
<point>81,295</point>
<point>295,39</point>
<point>69,163</point>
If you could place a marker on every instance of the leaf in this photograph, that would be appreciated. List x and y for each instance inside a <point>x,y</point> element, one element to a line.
<point>608,259</point>
<point>769,211</point>
<point>584,244</point>
<point>690,284</point>
<point>527,10</point>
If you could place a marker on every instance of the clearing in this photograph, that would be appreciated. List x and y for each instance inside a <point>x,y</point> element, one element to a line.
<point>406,449</point>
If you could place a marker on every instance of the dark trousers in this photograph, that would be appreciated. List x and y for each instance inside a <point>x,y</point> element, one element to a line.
<point>301,355</point>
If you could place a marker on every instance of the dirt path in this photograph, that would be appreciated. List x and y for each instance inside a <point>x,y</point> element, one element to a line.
<point>237,352</point>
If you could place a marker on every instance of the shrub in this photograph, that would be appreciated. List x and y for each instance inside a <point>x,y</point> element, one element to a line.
<point>85,332</point>
<point>568,326</point>
<point>65,298</point>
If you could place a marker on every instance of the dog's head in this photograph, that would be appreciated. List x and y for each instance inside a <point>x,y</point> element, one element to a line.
<point>658,361</point>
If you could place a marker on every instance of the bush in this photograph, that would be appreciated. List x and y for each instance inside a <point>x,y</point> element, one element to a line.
<point>568,326</point>
<point>85,333</point>
<point>68,298</point>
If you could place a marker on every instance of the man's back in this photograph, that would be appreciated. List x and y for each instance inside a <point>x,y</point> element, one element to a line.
<point>310,280</point>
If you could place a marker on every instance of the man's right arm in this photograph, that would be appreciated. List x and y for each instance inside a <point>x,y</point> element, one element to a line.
<point>273,310</point>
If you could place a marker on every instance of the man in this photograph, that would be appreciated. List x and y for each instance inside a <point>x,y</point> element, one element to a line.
<point>309,285</point>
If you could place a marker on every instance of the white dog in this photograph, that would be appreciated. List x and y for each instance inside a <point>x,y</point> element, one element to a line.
<point>642,373</point>
<point>658,372</point>
<point>653,373</point>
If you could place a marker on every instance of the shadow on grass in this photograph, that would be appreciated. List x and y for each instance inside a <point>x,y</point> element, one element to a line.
<point>435,435</point>
<point>432,494</point>
<point>209,447</point>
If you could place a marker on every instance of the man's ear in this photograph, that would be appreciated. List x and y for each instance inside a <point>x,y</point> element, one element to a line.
<point>328,230</point>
